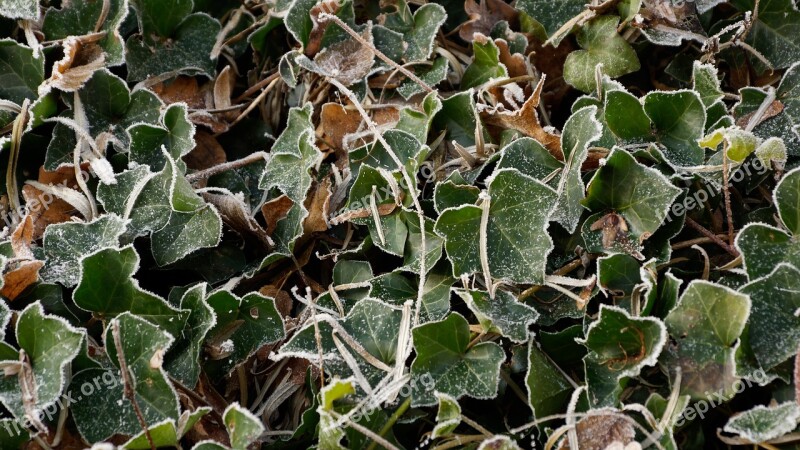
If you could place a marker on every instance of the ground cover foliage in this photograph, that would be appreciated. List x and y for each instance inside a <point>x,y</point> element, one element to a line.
<point>399,224</point>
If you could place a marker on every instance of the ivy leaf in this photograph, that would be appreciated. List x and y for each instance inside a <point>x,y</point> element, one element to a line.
<point>789,94</point>
<point>580,131</point>
<point>167,433</point>
<point>485,64</point>
<point>619,347</point>
<point>81,18</point>
<point>50,343</point>
<point>396,288</point>
<point>514,253</point>
<point>679,119</point>
<point>20,9</point>
<point>706,323</point>
<point>705,81</point>
<point>551,14</point>
<point>243,427</point>
<point>185,233</point>
<point>448,417</point>
<point>243,325</point>
<point>111,270</point>
<point>774,31</point>
<point>371,323</point>
<point>432,76</point>
<point>170,40</point>
<point>444,355</point>
<point>66,243</point>
<point>109,107</point>
<point>20,72</point>
<point>174,132</point>
<point>625,117</point>
<point>774,300</point>
<point>183,360</point>
<point>427,21</point>
<point>640,195</point>
<point>764,423</point>
<point>548,387</point>
<point>787,200</point>
<point>601,45</point>
<point>503,314</point>
<point>499,442</point>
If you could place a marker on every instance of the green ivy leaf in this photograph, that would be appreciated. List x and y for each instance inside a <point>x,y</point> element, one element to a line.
<point>167,433</point>
<point>50,343</point>
<point>444,355</point>
<point>787,200</point>
<point>620,345</point>
<point>244,324</point>
<point>548,387</point>
<point>640,195</point>
<point>514,253</point>
<point>706,323</point>
<point>20,72</point>
<point>183,360</point>
<point>20,9</point>
<point>705,81</point>
<point>775,30</point>
<point>111,270</point>
<point>551,14</point>
<point>485,64</point>
<point>679,119</point>
<point>448,417</point>
<point>170,40</point>
<point>601,45</point>
<point>174,131</point>
<point>580,131</point>
<point>625,117</point>
<point>502,314</point>
<point>81,18</point>
<point>66,243</point>
<point>765,423</point>
<point>772,317</point>
<point>185,233</point>
<point>243,427</point>
<point>370,322</point>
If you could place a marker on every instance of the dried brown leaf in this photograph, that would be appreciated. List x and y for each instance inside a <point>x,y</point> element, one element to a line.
<point>596,432</point>
<point>275,210</point>
<point>207,152</point>
<point>318,205</point>
<point>17,280</point>
<point>347,61</point>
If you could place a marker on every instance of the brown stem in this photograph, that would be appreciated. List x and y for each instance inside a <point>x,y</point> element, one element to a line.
<point>713,237</point>
<point>127,383</point>
<point>726,191</point>
<point>211,171</point>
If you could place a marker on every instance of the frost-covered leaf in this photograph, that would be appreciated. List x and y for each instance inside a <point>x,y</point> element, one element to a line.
<point>775,30</point>
<point>66,243</point>
<point>502,314</point>
<point>167,433</point>
<point>775,300</point>
<point>580,131</point>
<point>183,360</point>
<point>20,9</point>
<point>764,423</point>
<point>499,442</point>
<point>706,82</point>
<point>395,288</point>
<point>82,17</point>
<point>243,427</point>
<point>679,119</point>
<point>514,252</point>
<point>638,195</point>
<point>600,44</point>
<point>174,131</point>
<point>111,270</point>
<point>49,344</point>
<point>787,200</point>
<point>789,94</point>
<point>20,72</point>
<point>170,40</point>
<point>186,232</point>
<point>548,386</point>
<point>485,65</point>
<point>551,14</point>
<point>243,325</point>
<point>706,324</point>
<point>419,40</point>
<point>444,355</point>
<point>625,117</point>
<point>371,323</point>
<point>620,345</point>
<point>448,417</point>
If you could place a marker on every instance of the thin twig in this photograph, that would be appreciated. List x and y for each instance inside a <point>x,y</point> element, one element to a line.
<point>224,167</point>
<point>325,17</point>
<point>727,194</point>
<point>128,383</point>
<point>705,232</point>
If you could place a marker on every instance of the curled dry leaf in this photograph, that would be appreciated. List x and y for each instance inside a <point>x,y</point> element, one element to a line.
<point>275,210</point>
<point>347,61</point>
<point>44,208</point>
<point>318,29</point>
<point>318,205</point>
<point>82,57</point>
<point>207,152</point>
<point>526,121</point>
<point>24,272</point>
<point>597,432</point>
<point>236,215</point>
